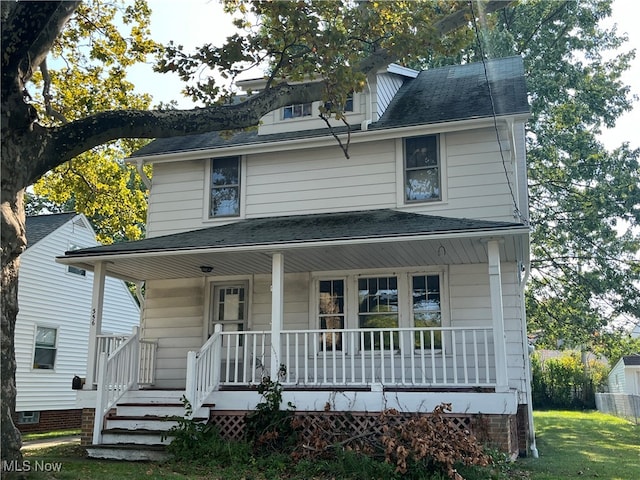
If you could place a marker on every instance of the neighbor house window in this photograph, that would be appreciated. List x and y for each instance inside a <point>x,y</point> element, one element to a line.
<point>44,355</point>
<point>422,169</point>
<point>378,308</point>
<point>76,270</point>
<point>297,110</point>
<point>225,187</point>
<point>426,310</point>
<point>331,312</point>
<point>28,417</point>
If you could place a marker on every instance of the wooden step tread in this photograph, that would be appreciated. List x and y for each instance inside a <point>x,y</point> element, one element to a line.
<point>158,404</point>
<point>129,446</point>
<point>152,417</point>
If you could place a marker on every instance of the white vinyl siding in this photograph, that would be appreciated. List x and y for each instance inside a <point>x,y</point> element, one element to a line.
<point>282,184</point>
<point>51,297</point>
<point>470,304</point>
<point>174,316</point>
<point>322,180</point>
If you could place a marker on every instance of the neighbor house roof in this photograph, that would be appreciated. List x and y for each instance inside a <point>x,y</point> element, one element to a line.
<point>39,226</point>
<point>302,228</point>
<point>437,95</point>
<point>631,360</point>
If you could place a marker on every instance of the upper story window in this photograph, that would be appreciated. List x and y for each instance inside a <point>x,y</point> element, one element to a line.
<point>225,187</point>
<point>422,181</point>
<point>296,111</point>
<point>44,355</point>
<point>347,107</point>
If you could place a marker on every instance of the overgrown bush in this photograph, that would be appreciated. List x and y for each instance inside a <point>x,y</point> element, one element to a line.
<point>565,382</point>
<point>268,428</point>
<point>200,443</point>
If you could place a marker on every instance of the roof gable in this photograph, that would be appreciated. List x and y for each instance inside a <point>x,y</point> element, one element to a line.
<point>39,226</point>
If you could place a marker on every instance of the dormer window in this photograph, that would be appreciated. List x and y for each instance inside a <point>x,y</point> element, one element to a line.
<point>225,187</point>
<point>296,111</point>
<point>422,169</point>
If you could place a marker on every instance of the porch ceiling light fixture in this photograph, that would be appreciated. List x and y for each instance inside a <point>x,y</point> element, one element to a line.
<point>206,268</point>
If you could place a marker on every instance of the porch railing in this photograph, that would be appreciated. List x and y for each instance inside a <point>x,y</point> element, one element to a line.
<point>120,371</point>
<point>237,358</point>
<point>389,357</point>
<point>109,343</point>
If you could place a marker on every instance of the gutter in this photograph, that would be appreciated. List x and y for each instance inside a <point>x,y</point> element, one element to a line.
<point>265,146</point>
<point>270,247</point>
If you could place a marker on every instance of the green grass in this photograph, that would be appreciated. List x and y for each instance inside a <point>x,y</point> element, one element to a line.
<point>47,435</point>
<point>572,445</point>
<point>584,445</point>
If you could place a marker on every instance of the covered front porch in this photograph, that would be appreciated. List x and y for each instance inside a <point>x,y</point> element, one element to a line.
<point>355,366</point>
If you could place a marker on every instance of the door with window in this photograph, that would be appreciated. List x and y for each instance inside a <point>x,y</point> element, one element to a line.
<point>229,307</point>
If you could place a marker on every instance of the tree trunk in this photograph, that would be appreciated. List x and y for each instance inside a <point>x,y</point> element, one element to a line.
<point>13,243</point>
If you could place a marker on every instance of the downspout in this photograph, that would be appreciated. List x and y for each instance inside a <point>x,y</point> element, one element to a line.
<point>527,366</point>
<point>141,302</point>
<point>364,126</point>
<point>143,176</point>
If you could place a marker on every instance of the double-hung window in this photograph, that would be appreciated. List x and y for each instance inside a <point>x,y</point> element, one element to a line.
<point>44,355</point>
<point>422,172</point>
<point>225,187</point>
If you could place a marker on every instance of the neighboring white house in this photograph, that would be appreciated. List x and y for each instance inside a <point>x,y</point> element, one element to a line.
<point>52,327</point>
<point>393,278</point>
<point>624,377</point>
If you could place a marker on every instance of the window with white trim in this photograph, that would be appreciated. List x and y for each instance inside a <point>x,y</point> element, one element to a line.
<point>331,300</point>
<point>44,354</point>
<point>297,110</point>
<point>378,308</point>
<point>426,308</point>
<point>225,187</point>
<point>422,171</point>
<point>28,417</point>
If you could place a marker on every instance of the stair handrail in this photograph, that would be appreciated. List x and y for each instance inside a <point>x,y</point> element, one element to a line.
<point>203,370</point>
<point>117,373</point>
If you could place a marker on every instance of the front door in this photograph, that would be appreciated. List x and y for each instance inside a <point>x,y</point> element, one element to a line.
<point>229,307</point>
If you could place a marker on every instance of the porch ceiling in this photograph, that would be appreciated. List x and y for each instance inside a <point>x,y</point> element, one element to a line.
<point>356,240</point>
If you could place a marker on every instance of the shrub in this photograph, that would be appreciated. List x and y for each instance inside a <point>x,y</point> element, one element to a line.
<point>200,443</point>
<point>268,428</point>
<point>565,382</point>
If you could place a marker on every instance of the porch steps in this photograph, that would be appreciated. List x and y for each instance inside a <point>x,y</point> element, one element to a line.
<point>137,428</point>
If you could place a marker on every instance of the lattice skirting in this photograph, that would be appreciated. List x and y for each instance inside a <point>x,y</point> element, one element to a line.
<point>339,425</point>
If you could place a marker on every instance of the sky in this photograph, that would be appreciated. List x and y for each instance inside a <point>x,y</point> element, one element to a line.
<point>196,22</point>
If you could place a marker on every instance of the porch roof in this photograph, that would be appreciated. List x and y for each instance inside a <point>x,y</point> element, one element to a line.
<point>321,242</point>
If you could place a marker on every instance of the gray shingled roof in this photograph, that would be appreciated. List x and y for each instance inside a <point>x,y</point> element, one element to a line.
<point>39,226</point>
<point>302,228</point>
<point>631,360</point>
<point>445,94</point>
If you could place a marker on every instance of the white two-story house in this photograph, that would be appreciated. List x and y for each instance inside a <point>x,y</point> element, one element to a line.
<point>389,279</point>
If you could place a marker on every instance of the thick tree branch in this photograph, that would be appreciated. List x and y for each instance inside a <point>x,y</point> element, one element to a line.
<point>28,33</point>
<point>69,140</point>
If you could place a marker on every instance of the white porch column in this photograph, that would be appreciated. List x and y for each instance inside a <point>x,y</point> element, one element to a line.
<point>95,328</point>
<point>497,314</point>
<point>277,311</point>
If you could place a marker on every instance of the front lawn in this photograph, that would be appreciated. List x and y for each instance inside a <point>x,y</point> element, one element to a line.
<point>571,445</point>
<point>584,445</point>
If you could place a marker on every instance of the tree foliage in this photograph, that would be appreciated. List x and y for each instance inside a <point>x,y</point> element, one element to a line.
<point>87,74</point>
<point>584,200</point>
